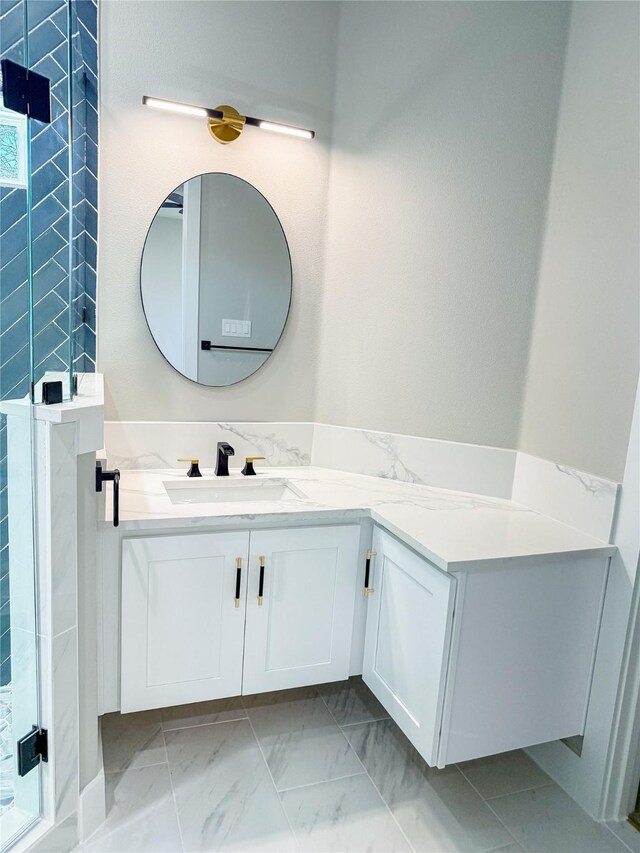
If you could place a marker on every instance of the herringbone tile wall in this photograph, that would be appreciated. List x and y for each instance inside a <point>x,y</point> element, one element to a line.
<point>64,186</point>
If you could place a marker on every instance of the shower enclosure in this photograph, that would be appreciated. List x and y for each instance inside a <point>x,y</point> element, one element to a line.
<point>48,230</point>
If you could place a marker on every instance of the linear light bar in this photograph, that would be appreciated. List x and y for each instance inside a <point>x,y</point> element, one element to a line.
<point>175,107</point>
<point>225,123</point>
<point>286,128</point>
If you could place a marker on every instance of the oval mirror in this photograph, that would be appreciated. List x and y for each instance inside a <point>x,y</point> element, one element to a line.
<point>216,279</point>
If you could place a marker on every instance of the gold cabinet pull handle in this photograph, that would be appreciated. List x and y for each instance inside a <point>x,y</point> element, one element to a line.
<point>367,571</point>
<point>238,581</point>
<point>261,582</point>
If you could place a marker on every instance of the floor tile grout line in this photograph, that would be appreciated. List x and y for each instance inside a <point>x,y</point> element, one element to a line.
<point>506,793</point>
<point>173,792</point>
<point>200,725</point>
<point>273,782</point>
<point>618,837</point>
<point>375,787</point>
<point>360,722</point>
<point>493,811</point>
<point>321,782</point>
<point>136,767</point>
<point>518,791</point>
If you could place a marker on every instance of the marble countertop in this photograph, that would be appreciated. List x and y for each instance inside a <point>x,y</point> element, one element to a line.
<point>454,530</point>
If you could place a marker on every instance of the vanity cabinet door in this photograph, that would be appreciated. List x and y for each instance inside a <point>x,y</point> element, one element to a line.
<point>182,626</point>
<point>299,633</point>
<point>407,641</point>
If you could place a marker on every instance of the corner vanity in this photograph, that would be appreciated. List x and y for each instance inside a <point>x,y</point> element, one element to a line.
<point>474,620</point>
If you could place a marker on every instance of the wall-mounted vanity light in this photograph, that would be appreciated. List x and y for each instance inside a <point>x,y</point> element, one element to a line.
<point>225,123</point>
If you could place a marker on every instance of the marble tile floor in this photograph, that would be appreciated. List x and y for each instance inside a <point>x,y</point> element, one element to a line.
<point>318,769</point>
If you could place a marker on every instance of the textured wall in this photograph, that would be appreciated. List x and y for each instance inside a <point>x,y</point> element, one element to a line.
<point>584,358</point>
<point>58,282</point>
<point>445,124</point>
<point>273,60</point>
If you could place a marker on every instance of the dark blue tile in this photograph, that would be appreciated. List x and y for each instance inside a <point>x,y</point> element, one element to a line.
<point>4,618</point>
<point>38,10</point>
<point>90,342</point>
<point>15,53</point>
<point>15,337</point>
<point>90,285</point>
<point>91,149</point>
<point>89,46</point>
<point>47,179</point>
<point>91,252</point>
<point>6,5</point>
<point>53,362</point>
<point>13,274</point>
<point>46,311</point>
<point>59,101</point>
<point>12,207</point>
<point>46,214</point>
<point>47,278</point>
<point>91,188</point>
<point>12,28</point>
<point>45,247</point>
<point>92,121</point>
<point>46,38</point>
<point>13,307</point>
<point>5,644</point>
<point>45,147</point>
<point>13,241</point>
<point>50,68</point>
<point>13,373</point>
<point>91,87</point>
<point>46,342</point>
<point>87,12</point>
<point>5,672</point>
<point>4,582</point>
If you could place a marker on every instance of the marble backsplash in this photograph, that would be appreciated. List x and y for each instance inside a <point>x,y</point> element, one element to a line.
<point>159,444</point>
<point>425,461</point>
<point>573,497</point>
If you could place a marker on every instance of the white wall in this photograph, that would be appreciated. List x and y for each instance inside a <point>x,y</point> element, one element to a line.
<point>273,60</point>
<point>584,354</point>
<point>445,122</point>
<point>419,319</point>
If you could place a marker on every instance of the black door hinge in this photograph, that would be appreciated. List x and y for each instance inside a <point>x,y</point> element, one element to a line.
<point>32,748</point>
<point>25,91</point>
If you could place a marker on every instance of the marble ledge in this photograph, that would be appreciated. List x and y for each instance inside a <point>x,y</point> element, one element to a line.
<point>453,530</point>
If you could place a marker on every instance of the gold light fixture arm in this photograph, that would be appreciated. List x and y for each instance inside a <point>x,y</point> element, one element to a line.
<point>229,127</point>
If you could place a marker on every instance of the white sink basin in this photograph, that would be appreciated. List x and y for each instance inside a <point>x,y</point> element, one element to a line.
<point>203,491</point>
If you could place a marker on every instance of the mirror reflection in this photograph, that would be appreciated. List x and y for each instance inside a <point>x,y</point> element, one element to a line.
<point>216,279</point>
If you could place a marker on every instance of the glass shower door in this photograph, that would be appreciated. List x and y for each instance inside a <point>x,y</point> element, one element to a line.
<point>48,224</point>
<point>34,343</point>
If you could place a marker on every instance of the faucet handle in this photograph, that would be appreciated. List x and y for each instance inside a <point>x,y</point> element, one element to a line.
<point>194,470</point>
<point>248,470</point>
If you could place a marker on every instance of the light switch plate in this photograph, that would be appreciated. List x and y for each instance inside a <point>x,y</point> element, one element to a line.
<point>236,328</point>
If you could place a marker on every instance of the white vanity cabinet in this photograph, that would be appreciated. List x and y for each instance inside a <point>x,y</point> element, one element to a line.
<point>192,627</point>
<point>484,660</point>
<point>182,633</point>
<point>299,630</point>
<point>407,640</point>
